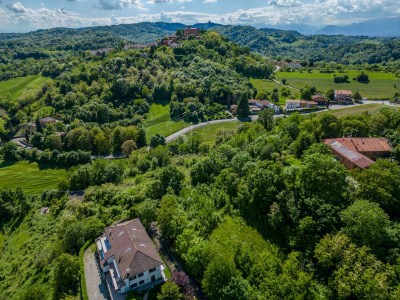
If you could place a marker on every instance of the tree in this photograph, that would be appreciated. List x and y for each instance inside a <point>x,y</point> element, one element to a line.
<point>66,274</point>
<point>102,144</point>
<point>330,94</point>
<point>362,77</point>
<point>237,289</point>
<point>9,150</point>
<point>275,97</point>
<point>266,118</point>
<point>365,223</point>
<point>181,280</point>
<point>284,81</point>
<point>306,94</point>
<point>217,276</point>
<point>352,272</point>
<point>170,219</point>
<point>128,147</point>
<point>172,177</point>
<point>170,291</point>
<point>53,142</point>
<point>243,109</point>
<point>357,96</point>
<point>35,292</point>
<point>38,125</point>
<point>157,140</point>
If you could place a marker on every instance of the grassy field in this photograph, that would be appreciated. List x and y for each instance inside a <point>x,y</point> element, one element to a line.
<point>209,132</point>
<point>31,177</point>
<point>357,110</point>
<point>159,121</point>
<point>381,85</point>
<point>17,86</point>
<point>266,85</point>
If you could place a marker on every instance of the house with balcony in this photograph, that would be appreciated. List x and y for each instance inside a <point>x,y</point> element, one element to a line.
<point>342,96</point>
<point>128,258</point>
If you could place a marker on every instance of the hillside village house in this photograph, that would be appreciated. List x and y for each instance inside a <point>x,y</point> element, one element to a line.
<point>47,121</point>
<point>282,64</point>
<point>264,104</point>
<point>294,65</point>
<point>299,104</point>
<point>321,100</point>
<point>343,96</point>
<point>359,152</point>
<point>137,46</point>
<point>128,257</point>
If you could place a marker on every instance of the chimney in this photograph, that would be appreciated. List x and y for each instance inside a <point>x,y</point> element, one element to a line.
<point>128,271</point>
<point>115,224</point>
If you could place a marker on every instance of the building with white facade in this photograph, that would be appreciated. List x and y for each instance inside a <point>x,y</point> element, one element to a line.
<point>294,65</point>
<point>128,257</point>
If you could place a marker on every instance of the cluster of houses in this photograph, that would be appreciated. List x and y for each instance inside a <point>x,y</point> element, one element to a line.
<point>169,42</point>
<point>358,152</point>
<point>341,97</point>
<point>256,106</point>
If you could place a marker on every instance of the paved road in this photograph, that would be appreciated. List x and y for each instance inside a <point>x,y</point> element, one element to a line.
<point>96,290</point>
<point>333,107</point>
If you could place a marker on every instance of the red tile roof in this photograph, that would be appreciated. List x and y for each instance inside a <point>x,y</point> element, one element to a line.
<point>342,92</point>
<point>353,148</point>
<point>131,247</point>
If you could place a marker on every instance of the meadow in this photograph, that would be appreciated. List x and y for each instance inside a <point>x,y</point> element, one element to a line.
<point>159,121</point>
<point>208,133</point>
<point>16,86</point>
<point>267,85</point>
<point>32,177</point>
<point>380,86</point>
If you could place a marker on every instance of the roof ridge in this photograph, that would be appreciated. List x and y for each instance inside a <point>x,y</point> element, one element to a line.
<point>146,255</point>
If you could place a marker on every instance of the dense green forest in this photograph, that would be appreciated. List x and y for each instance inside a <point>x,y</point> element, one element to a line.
<point>262,211</point>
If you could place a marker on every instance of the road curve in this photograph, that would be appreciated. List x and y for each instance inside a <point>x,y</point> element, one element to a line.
<point>333,107</point>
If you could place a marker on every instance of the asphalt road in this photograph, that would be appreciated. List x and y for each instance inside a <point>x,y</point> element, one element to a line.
<point>333,107</point>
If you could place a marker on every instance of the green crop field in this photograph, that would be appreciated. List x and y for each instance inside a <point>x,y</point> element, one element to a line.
<point>381,85</point>
<point>16,86</point>
<point>30,176</point>
<point>209,132</point>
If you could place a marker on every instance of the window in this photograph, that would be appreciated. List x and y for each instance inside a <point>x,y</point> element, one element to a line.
<point>141,282</point>
<point>133,277</point>
<point>133,285</point>
<point>140,275</point>
<point>152,270</point>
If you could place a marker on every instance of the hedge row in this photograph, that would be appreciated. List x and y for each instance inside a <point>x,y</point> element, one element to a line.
<point>84,295</point>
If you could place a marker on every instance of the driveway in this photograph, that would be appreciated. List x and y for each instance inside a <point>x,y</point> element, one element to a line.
<point>96,290</point>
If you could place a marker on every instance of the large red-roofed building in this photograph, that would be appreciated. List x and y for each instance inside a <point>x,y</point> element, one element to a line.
<point>359,152</point>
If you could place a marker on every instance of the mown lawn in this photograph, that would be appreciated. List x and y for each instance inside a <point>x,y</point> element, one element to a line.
<point>381,85</point>
<point>209,132</point>
<point>32,177</point>
<point>17,86</point>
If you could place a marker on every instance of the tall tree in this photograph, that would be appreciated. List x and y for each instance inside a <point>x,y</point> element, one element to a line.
<point>243,109</point>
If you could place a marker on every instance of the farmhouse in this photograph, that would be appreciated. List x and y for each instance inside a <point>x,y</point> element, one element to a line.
<point>264,104</point>
<point>292,104</point>
<point>282,64</point>
<point>47,121</point>
<point>294,65</point>
<point>321,100</point>
<point>359,152</point>
<point>128,257</point>
<point>343,96</point>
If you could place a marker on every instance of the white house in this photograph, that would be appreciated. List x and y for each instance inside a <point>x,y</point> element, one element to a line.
<point>294,65</point>
<point>264,104</point>
<point>128,258</point>
<point>293,104</point>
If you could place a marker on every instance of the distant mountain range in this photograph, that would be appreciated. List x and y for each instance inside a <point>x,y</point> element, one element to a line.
<point>384,27</point>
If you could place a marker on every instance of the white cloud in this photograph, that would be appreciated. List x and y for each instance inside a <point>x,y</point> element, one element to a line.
<point>209,1</point>
<point>17,7</point>
<point>118,4</point>
<point>285,3</point>
<point>158,1</point>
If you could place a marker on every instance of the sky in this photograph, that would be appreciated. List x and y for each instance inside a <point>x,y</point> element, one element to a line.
<point>29,15</point>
